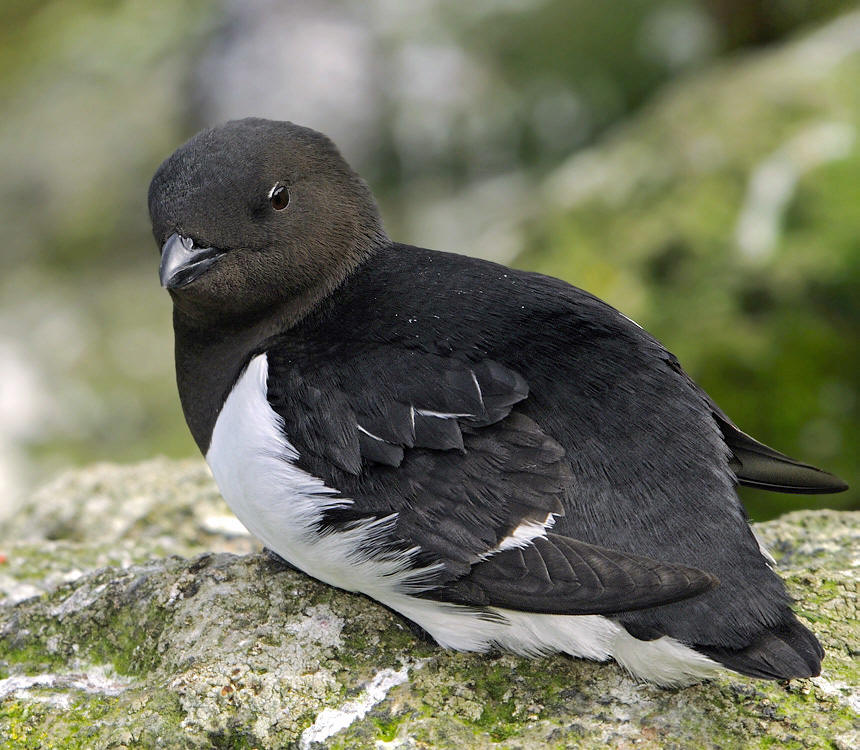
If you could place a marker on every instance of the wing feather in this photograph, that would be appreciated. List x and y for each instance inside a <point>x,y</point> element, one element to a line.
<point>439,444</point>
<point>560,575</point>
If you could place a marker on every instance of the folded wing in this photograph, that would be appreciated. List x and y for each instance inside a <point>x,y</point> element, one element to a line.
<point>559,575</point>
<point>474,484</point>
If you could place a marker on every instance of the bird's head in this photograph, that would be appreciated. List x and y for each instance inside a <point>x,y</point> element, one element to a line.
<point>255,213</point>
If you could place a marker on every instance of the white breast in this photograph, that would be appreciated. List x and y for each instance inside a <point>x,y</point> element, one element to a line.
<point>255,467</point>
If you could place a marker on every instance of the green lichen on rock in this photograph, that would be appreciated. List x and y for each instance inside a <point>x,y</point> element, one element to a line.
<point>214,649</point>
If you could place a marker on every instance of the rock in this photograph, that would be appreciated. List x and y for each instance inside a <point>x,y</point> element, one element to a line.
<point>138,505</point>
<point>109,638</point>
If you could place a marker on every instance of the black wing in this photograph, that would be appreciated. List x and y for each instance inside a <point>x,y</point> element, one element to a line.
<point>437,440</point>
<point>559,575</point>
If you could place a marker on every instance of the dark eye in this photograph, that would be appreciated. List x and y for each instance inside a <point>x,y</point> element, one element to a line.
<point>279,197</point>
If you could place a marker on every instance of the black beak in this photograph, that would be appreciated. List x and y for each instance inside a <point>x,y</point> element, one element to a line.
<point>181,262</point>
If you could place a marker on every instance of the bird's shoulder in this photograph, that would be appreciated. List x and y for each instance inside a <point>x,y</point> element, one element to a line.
<point>418,298</point>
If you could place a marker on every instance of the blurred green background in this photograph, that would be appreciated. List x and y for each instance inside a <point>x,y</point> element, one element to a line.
<point>694,162</point>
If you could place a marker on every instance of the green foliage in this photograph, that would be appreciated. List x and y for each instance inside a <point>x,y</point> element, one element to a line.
<point>774,338</point>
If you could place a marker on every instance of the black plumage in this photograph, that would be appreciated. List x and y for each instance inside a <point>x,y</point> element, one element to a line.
<point>559,575</point>
<point>636,459</point>
<point>466,402</point>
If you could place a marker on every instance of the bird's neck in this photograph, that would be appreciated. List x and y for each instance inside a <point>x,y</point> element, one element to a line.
<point>207,365</point>
<point>210,358</point>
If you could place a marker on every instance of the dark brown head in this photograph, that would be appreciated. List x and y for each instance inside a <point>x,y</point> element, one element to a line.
<point>254,214</point>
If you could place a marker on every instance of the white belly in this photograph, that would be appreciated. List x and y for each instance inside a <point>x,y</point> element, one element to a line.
<point>255,468</point>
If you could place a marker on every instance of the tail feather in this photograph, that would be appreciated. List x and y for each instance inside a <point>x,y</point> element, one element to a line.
<point>757,465</point>
<point>782,653</point>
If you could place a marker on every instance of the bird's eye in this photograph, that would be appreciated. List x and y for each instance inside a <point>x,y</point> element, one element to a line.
<point>279,197</point>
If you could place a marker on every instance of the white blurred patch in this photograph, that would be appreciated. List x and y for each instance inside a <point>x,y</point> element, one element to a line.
<point>24,405</point>
<point>561,119</point>
<point>773,182</point>
<point>484,220</point>
<point>678,35</point>
<point>309,62</point>
<point>13,591</point>
<point>21,393</point>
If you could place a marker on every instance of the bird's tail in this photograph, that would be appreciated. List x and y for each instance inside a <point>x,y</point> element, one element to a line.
<point>786,651</point>
<point>757,465</point>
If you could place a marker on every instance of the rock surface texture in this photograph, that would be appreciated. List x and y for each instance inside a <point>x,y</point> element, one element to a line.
<point>135,613</point>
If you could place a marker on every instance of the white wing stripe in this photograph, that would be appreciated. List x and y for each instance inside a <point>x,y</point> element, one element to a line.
<point>522,535</point>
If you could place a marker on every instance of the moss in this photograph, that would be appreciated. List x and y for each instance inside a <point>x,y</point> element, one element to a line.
<point>495,696</point>
<point>128,639</point>
<point>493,688</point>
<point>380,725</point>
<point>112,632</point>
<point>29,655</point>
<point>363,652</point>
<point>232,740</point>
<point>19,722</point>
<point>40,725</point>
<point>136,718</point>
<point>386,727</point>
<point>161,703</point>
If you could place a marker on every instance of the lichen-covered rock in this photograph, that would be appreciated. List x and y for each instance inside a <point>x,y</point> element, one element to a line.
<point>105,641</point>
<point>159,501</point>
<point>123,515</point>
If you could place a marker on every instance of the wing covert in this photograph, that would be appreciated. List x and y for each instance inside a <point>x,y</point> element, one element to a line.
<point>473,482</point>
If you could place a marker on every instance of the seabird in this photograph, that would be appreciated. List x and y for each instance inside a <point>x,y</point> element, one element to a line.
<point>498,456</point>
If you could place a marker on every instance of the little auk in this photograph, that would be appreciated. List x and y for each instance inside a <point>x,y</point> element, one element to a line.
<point>501,458</point>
